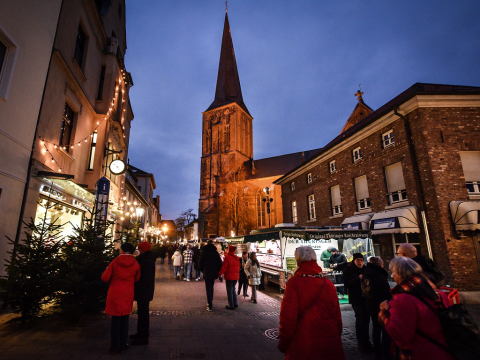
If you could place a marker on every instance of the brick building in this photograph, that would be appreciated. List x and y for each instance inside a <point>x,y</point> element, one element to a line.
<point>232,184</point>
<point>409,172</point>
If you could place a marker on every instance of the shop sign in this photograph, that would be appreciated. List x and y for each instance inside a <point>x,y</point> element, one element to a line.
<point>338,235</point>
<point>102,190</point>
<point>52,192</point>
<point>384,224</point>
<point>291,263</point>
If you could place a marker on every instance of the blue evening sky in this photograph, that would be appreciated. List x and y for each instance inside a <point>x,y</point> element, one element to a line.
<point>300,63</point>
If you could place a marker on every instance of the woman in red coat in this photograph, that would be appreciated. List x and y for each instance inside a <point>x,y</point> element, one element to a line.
<point>122,273</point>
<point>310,318</point>
<point>406,315</point>
<point>231,269</point>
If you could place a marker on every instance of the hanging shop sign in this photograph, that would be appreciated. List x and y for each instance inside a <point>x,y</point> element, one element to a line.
<point>102,190</point>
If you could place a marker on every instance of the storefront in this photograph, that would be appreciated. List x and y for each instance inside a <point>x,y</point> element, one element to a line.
<point>62,202</point>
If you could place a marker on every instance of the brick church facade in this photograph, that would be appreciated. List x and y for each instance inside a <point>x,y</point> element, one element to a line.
<point>408,172</point>
<point>232,183</point>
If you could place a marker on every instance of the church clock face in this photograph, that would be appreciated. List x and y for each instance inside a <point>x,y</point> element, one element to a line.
<point>117,167</point>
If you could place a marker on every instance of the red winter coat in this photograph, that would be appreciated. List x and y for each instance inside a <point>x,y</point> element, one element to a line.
<point>122,273</point>
<point>230,267</point>
<point>316,334</point>
<point>407,314</point>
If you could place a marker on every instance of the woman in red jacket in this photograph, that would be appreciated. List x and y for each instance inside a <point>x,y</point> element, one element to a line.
<point>310,318</point>
<point>231,269</point>
<point>122,273</point>
<point>406,317</point>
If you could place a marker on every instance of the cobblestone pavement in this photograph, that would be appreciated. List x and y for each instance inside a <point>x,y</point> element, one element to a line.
<point>181,328</point>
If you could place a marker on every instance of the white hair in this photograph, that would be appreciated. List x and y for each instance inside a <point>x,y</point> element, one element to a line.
<point>304,253</point>
<point>404,267</point>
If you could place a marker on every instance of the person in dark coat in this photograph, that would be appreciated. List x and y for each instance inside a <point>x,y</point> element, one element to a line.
<point>121,275</point>
<point>196,262</point>
<point>428,266</point>
<point>170,252</point>
<point>144,289</point>
<point>376,289</point>
<point>210,265</point>
<point>352,276</point>
<point>338,261</point>
<point>242,280</point>
<point>163,253</point>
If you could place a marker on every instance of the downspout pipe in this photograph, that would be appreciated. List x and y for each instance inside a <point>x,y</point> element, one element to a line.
<point>416,175</point>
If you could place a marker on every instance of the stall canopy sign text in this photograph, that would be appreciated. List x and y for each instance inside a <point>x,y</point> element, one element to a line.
<point>339,235</point>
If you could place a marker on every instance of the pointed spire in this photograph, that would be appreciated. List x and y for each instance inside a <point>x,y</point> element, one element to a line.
<point>228,82</point>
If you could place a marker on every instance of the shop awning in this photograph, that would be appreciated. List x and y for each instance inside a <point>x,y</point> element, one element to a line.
<point>396,221</point>
<point>357,222</point>
<point>71,188</point>
<point>466,214</point>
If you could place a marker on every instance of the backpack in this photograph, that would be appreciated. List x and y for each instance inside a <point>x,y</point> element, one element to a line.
<point>460,331</point>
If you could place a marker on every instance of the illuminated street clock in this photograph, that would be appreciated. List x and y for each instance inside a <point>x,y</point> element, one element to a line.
<point>117,167</point>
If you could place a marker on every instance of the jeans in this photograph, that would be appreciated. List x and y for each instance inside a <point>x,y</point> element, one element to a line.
<point>362,320</point>
<point>177,270</point>
<point>197,274</point>
<point>143,324</point>
<point>119,332</point>
<point>380,338</point>
<point>187,270</point>
<point>244,286</point>
<point>231,294</point>
<point>339,280</point>
<point>209,288</point>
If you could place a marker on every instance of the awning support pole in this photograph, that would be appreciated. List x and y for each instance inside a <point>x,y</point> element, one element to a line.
<point>427,235</point>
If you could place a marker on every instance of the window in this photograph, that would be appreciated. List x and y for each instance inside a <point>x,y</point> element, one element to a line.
<point>67,126</point>
<point>294,212</point>
<point>80,46</point>
<point>333,166</point>
<point>336,200</point>
<point>311,207</point>
<point>471,170</point>
<point>8,57</point>
<point>102,82</point>
<point>292,186</point>
<point>3,55</point>
<point>92,151</point>
<point>356,154</point>
<point>395,183</point>
<point>361,192</point>
<point>412,238</point>
<point>387,139</point>
<point>309,178</point>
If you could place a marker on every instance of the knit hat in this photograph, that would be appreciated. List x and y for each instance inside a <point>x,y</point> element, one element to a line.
<point>333,249</point>
<point>144,246</point>
<point>231,249</point>
<point>357,256</point>
<point>128,248</point>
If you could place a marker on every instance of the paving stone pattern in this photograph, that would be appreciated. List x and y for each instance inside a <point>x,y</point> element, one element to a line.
<point>180,327</point>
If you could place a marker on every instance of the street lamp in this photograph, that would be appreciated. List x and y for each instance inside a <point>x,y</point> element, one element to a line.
<point>134,212</point>
<point>267,200</point>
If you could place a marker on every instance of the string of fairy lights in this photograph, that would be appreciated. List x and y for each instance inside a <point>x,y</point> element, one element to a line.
<point>44,142</point>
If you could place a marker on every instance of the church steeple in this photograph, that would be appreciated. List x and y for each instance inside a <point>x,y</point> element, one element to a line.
<point>228,82</point>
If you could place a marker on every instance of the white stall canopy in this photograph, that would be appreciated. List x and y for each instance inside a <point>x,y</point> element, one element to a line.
<point>358,222</point>
<point>396,221</point>
<point>465,214</point>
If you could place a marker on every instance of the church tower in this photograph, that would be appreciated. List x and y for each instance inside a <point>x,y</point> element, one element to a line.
<point>227,141</point>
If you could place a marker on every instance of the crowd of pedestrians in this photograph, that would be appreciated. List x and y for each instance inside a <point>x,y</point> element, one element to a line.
<point>404,322</point>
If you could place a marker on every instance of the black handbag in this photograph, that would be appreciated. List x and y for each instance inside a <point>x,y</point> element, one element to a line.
<point>460,331</point>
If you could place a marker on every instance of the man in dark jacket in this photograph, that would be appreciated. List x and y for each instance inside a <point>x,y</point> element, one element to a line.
<point>352,276</point>
<point>210,265</point>
<point>242,280</point>
<point>428,266</point>
<point>337,262</point>
<point>144,289</point>
<point>376,289</point>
